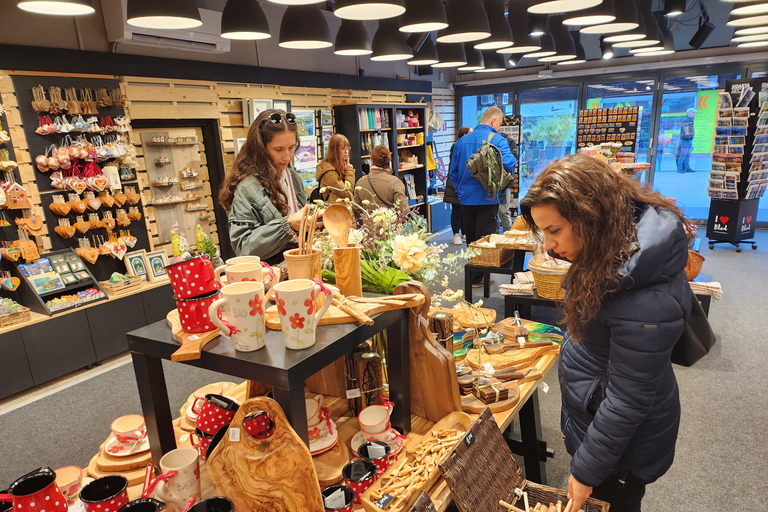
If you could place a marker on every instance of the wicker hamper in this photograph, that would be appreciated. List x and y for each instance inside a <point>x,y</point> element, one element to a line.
<point>483,471</point>
<point>548,281</point>
<point>490,256</point>
<point>693,267</point>
<point>15,318</point>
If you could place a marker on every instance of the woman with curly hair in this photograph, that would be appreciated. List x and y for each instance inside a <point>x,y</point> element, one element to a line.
<point>627,297</point>
<point>263,194</point>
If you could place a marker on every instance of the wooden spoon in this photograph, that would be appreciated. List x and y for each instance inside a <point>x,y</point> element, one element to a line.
<point>338,220</point>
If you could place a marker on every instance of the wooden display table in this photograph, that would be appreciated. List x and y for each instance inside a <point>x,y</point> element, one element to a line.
<point>516,264</point>
<point>285,370</point>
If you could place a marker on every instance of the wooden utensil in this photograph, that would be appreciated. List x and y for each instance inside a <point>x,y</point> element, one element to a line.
<point>495,348</point>
<point>338,222</point>
<point>191,343</point>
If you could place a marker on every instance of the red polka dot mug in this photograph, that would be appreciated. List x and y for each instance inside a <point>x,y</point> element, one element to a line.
<point>192,278</point>
<point>338,498</point>
<point>35,492</point>
<point>259,425</point>
<point>194,313</point>
<point>217,412</point>
<point>105,494</point>
<point>377,452</point>
<point>201,441</point>
<point>359,475</point>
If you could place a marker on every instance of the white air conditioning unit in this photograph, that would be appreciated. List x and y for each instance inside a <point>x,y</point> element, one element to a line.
<point>204,38</point>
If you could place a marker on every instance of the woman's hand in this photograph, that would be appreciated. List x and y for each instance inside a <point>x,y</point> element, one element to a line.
<point>578,492</point>
<point>294,221</point>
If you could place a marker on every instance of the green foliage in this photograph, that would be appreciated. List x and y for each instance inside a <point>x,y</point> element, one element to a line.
<point>555,130</point>
<point>381,280</point>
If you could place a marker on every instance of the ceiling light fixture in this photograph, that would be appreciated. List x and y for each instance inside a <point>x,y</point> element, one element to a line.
<point>751,31</point>
<point>747,39</point>
<point>501,32</point>
<point>295,2</point>
<point>753,9</point>
<point>168,14</point>
<point>450,55</point>
<point>626,19</point>
<point>547,44</point>
<point>425,16</point>
<point>304,28</point>
<point>389,44</point>
<point>655,48</point>
<point>753,44</point>
<point>352,39</point>
<point>57,7</point>
<point>603,13</point>
<point>652,30</point>
<point>244,20</point>
<point>564,44</point>
<point>581,56</point>
<point>635,34</point>
<point>748,22</point>
<point>560,6</point>
<point>368,9</point>
<point>674,8</point>
<point>467,22</point>
<point>494,62</point>
<point>517,15</point>
<point>537,25</point>
<point>426,55</point>
<point>635,44</point>
<point>474,59</point>
<point>606,49</point>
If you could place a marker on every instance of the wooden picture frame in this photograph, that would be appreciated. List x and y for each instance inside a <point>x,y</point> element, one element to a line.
<point>136,264</point>
<point>156,263</point>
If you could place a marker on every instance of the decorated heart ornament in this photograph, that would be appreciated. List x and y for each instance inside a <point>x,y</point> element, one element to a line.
<point>78,205</point>
<point>77,185</point>
<point>82,226</point>
<point>65,231</point>
<point>90,255</point>
<point>130,241</point>
<point>94,204</point>
<point>99,183</point>
<point>10,283</point>
<point>60,208</point>
<point>107,200</point>
<point>12,254</point>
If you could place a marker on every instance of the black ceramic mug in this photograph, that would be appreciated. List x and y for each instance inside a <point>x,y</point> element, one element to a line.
<point>216,504</point>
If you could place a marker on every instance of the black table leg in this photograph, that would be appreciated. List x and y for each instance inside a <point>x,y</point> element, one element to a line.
<point>294,407</point>
<point>705,301</point>
<point>486,285</point>
<point>399,373</point>
<point>153,394</point>
<point>467,285</point>
<point>534,449</point>
<point>518,262</point>
<point>509,307</point>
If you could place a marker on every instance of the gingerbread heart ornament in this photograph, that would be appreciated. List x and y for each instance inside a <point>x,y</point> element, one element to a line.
<point>10,283</point>
<point>107,199</point>
<point>109,224</point>
<point>82,226</point>
<point>78,185</point>
<point>99,183</point>
<point>120,198</point>
<point>78,205</point>
<point>134,215</point>
<point>94,204</point>
<point>12,254</point>
<point>89,255</point>
<point>60,208</point>
<point>65,231</point>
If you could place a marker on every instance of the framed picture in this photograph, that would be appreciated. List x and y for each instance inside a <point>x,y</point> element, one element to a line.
<point>136,264</point>
<point>305,122</point>
<point>252,108</point>
<point>156,263</point>
<point>282,105</point>
<point>306,155</point>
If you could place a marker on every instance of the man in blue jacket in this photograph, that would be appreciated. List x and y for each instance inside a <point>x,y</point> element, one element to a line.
<point>479,211</point>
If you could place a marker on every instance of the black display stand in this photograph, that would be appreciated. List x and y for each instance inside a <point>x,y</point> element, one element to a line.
<point>733,222</point>
<point>511,127</point>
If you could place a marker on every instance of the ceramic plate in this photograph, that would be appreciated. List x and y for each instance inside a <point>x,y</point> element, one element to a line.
<point>116,449</point>
<point>191,414</point>
<point>326,441</point>
<point>396,445</point>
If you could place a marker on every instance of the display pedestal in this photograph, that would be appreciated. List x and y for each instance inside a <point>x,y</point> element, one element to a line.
<point>732,222</point>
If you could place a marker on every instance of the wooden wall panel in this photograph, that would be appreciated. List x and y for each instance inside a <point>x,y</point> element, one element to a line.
<point>445,104</point>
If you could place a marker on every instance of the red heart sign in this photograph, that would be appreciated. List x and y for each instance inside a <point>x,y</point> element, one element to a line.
<point>724,220</point>
<point>749,219</point>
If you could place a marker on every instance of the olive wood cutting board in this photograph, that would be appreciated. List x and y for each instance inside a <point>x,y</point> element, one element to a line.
<point>470,403</point>
<point>507,327</point>
<point>134,476</point>
<point>328,465</point>
<point>335,315</point>
<point>191,343</point>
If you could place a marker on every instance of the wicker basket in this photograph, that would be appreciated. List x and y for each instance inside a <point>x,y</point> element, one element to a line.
<point>490,256</point>
<point>548,281</point>
<point>15,318</point>
<point>693,267</point>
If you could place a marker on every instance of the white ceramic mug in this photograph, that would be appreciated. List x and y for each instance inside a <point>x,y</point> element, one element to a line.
<point>235,261</point>
<point>314,410</point>
<point>297,310</point>
<point>243,304</point>
<point>387,436</point>
<point>177,489</point>
<point>374,419</point>
<point>129,429</point>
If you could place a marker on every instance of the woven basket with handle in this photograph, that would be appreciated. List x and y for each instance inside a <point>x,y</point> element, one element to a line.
<point>548,281</point>
<point>693,267</point>
<point>490,256</point>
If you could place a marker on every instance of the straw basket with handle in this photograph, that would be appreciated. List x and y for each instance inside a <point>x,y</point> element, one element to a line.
<point>548,279</point>
<point>693,267</point>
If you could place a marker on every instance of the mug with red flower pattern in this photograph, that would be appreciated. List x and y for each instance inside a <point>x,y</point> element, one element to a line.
<point>296,307</point>
<point>243,304</point>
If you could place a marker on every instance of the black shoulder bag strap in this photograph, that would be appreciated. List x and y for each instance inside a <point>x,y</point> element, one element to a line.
<point>368,176</point>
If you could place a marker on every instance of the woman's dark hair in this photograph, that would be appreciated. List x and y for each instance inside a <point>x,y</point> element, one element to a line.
<point>381,157</point>
<point>334,157</point>
<point>254,160</point>
<point>601,205</point>
<point>462,132</point>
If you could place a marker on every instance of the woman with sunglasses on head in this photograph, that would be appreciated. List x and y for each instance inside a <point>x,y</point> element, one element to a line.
<point>627,298</point>
<point>263,194</point>
<point>334,170</point>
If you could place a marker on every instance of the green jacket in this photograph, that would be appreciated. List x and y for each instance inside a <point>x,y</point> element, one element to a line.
<point>271,232</point>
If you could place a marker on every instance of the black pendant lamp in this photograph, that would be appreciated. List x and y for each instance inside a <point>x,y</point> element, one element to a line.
<point>537,25</point>
<point>389,44</point>
<point>450,55</point>
<point>667,39</point>
<point>494,62</point>
<point>244,20</point>
<point>674,8</point>
<point>750,10</point>
<point>548,48</point>
<point>749,21</point>
<point>518,22</point>
<point>426,55</point>
<point>57,7</point>
<point>626,19</point>
<point>581,55</point>
<point>304,28</point>
<point>606,49</point>
<point>558,6</point>
<point>645,35</point>
<point>424,16</point>
<point>636,34</point>
<point>475,59</point>
<point>368,9</point>
<point>564,44</point>
<point>603,13</point>
<point>748,31</point>
<point>501,32</point>
<point>467,22</point>
<point>295,2</point>
<point>170,14</point>
<point>352,39</point>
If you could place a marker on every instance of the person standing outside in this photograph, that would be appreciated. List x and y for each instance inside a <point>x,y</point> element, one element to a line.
<point>686,142</point>
<point>451,197</point>
<point>479,210</point>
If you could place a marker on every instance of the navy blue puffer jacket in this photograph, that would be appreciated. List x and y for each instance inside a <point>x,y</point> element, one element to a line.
<point>621,407</point>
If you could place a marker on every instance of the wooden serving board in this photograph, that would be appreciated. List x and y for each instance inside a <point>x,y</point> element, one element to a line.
<point>456,421</point>
<point>274,474</point>
<point>134,476</point>
<point>336,316</point>
<point>536,331</point>
<point>329,464</point>
<point>110,464</point>
<point>463,319</point>
<point>191,343</point>
<point>470,403</point>
<point>513,359</point>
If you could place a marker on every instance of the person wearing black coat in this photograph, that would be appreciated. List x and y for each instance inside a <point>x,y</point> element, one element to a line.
<point>451,197</point>
<point>627,298</point>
